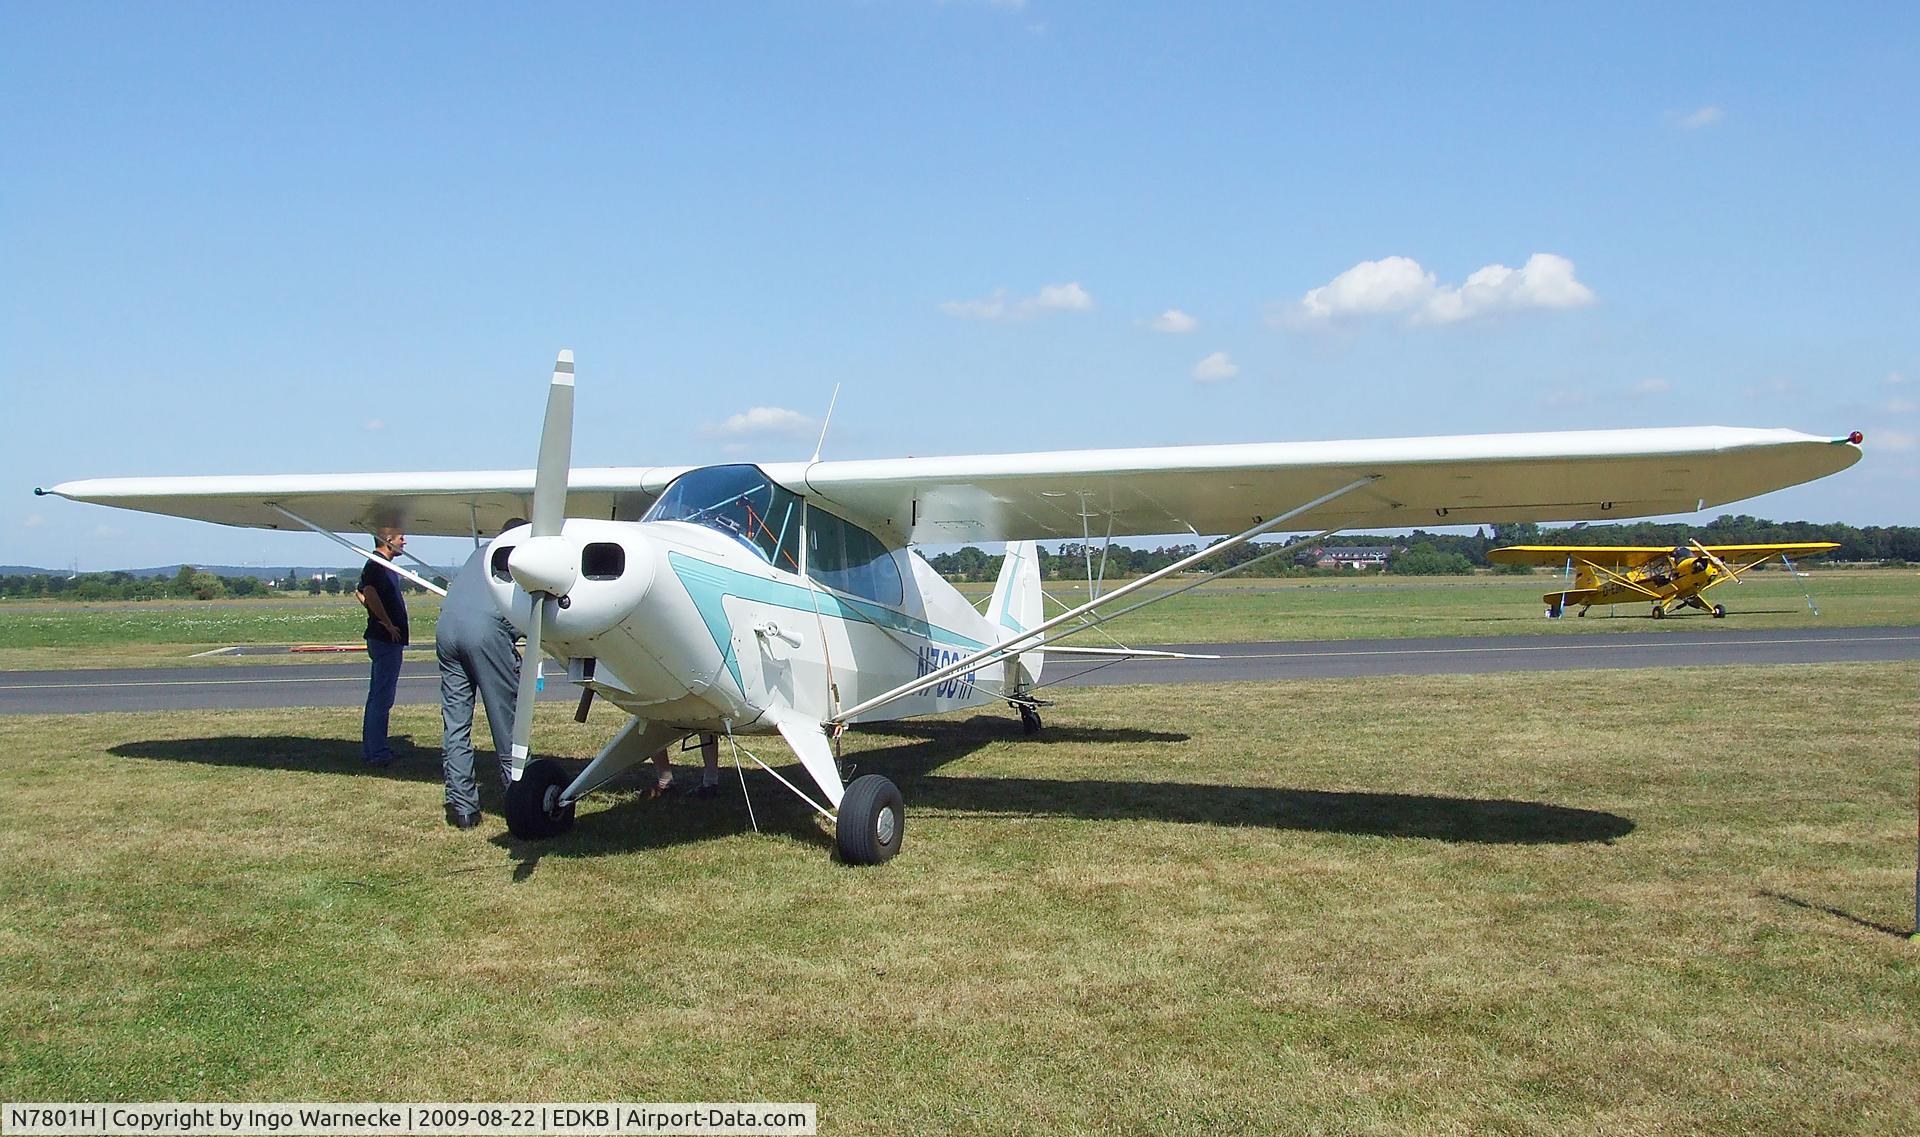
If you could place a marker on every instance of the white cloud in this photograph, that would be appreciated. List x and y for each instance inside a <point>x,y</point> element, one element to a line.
<point>1393,284</point>
<point>35,521</point>
<point>1565,398</point>
<point>1173,321</point>
<point>1898,441</point>
<point>764,422</point>
<point>376,424</point>
<point>1068,297</point>
<point>1399,286</point>
<point>1704,117</point>
<point>1899,406</point>
<point>1215,368</point>
<point>1895,379</point>
<point>1653,386</point>
<point>108,531</point>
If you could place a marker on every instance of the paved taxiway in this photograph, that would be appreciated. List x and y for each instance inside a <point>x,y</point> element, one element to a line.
<point>246,686</point>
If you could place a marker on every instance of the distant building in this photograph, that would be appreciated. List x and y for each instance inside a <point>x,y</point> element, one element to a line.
<point>1353,556</point>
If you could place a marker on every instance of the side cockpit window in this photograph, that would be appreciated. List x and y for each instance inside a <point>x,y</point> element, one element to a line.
<point>843,556</point>
<point>741,501</point>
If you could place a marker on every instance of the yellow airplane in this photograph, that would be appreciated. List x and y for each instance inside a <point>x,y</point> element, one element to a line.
<point>1667,578</point>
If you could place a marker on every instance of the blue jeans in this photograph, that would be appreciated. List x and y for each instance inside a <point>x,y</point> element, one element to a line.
<point>380,691</point>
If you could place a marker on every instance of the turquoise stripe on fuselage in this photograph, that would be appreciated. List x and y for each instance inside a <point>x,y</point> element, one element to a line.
<point>710,584</point>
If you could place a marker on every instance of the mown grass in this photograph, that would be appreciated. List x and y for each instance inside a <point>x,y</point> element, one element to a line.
<point>1660,901</point>
<point>43,633</point>
<point>40,634</point>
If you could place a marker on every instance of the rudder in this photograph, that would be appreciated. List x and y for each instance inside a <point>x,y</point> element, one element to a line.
<point>1017,603</point>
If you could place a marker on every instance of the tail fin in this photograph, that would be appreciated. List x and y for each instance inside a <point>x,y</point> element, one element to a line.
<point>1017,604</point>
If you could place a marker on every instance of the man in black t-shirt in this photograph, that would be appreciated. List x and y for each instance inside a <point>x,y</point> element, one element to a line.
<point>386,606</point>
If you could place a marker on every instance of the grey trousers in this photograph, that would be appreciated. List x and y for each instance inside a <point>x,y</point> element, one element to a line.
<point>491,664</point>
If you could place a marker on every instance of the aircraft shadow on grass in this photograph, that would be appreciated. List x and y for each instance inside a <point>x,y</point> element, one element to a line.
<point>912,754</point>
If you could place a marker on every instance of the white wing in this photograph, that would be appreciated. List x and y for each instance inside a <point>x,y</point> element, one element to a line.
<point>443,503</point>
<point>1469,479</point>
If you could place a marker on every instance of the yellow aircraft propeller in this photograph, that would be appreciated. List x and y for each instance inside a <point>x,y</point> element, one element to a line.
<point>1715,561</point>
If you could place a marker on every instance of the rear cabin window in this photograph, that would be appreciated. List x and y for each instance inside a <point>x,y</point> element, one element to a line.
<point>741,501</point>
<point>845,557</point>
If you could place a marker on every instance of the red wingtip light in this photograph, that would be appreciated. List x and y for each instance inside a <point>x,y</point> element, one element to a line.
<point>1856,438</point>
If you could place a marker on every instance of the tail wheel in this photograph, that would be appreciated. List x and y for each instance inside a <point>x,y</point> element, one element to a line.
<point>1719,611</point>
<point>534,812</point>
<point>872,821</point>
<point>1029,720</point>
<point>1659,613</point>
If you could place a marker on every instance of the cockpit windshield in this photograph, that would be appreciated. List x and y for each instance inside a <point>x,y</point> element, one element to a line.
<point>741,501</point>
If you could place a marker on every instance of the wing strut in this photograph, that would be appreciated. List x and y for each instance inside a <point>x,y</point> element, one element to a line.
<point>367,553</point>
<point>1033,636</point>
<point>1212,576</point>
<point>1804,589</point>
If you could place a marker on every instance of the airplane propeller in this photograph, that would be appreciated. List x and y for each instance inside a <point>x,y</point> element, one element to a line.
<point>1715,561</point>
<point>546,564</point>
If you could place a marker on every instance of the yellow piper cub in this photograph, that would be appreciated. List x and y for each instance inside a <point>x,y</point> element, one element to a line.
<point>1668,578</point>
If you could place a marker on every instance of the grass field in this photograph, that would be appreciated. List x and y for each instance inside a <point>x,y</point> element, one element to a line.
<point>40,634</point>
<point>1660,901</point>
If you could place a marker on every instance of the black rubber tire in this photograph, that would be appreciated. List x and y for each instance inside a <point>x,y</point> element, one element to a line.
<point>1719,611</point>
<point>1029,721</point>
<point>1659,613</point>
<point>872,822</point>
<point>531,812</point>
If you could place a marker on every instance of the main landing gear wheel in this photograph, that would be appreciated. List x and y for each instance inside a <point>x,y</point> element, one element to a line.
<point>534,811</point>
<point>1659,613</point>
<point>1029,720</point>
<point>872,821</point>
<point>1719,611</point>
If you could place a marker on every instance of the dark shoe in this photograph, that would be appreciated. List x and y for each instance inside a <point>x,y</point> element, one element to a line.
<point>377,763</point>
<point>706,790</point>
<point>460,820</point>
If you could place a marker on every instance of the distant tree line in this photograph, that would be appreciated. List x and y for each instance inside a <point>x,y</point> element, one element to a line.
<point>1441,554</point>
<point>1417,554</point>
<point>189,583</point>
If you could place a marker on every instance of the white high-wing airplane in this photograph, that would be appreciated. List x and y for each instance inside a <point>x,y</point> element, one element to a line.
<point>743,599</point>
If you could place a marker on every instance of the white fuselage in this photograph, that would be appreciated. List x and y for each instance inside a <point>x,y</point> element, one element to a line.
<point>690,626</point>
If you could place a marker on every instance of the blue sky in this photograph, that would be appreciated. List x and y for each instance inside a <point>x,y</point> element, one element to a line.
<point>267,238</point>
